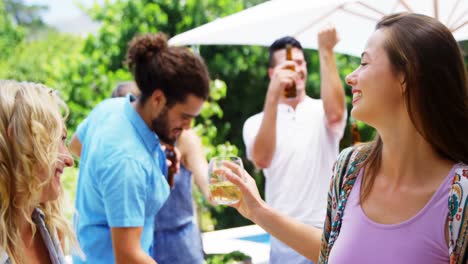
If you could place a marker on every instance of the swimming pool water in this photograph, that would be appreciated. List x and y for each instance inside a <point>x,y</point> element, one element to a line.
<point>260,238</point>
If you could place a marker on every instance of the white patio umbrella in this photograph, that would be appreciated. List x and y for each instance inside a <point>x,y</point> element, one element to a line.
<point>354,20</point>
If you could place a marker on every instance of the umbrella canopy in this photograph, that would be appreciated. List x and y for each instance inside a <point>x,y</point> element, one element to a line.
<point>354,20</point>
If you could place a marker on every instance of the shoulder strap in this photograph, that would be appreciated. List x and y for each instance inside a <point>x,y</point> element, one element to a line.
<point>339,171</point>
<point>3,257</point>
<point>349,163</point>
<point>52,244</point>
<point>348,154</point>
<point>344,175</point>
<point>341,167</point>
<point>457,218</point>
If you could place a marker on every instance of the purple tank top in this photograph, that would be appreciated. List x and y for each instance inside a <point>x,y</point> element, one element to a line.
<point>420,239</point>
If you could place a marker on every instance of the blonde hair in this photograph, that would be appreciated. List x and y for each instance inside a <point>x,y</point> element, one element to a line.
<point>32,117</point>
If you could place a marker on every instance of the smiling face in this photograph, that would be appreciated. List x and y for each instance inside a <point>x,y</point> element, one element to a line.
<point>301,65</point>
<point>377,89</point>
<point>172,121</point>
<point>52,190</point>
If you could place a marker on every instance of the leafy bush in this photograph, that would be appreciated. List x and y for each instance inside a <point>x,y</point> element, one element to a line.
<point>235,257</point>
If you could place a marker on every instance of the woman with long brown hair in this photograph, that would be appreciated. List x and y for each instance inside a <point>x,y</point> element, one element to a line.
<point>403,197</point>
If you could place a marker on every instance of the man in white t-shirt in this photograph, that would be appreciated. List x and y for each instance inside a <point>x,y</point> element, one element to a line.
<point>296,141</point>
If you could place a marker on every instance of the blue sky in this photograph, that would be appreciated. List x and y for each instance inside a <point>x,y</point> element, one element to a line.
<point>62,9</point>
<point>67,17</point>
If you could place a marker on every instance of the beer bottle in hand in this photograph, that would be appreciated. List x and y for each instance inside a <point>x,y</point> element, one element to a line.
<point>171,155</point>
<point>290,92</point>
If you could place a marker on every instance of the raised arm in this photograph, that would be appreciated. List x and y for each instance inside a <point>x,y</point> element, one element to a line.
<point>332,92</point>
<point>264,144</point>
<point>193,158</point>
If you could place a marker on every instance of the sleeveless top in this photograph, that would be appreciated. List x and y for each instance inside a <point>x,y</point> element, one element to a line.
<point>345,172</point>
<point>420,239</point>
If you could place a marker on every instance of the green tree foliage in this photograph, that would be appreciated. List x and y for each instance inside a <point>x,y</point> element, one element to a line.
<point>235,257</point>
<point>25,58</point>
<point>105,53</point>
<point>10,34</point>
<point>90,77</point>
<point>102,65</point>
<point>40,60</point>
<point>86,71</point>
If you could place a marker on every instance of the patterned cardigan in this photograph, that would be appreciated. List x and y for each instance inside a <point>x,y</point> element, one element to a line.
<point>345,173</point>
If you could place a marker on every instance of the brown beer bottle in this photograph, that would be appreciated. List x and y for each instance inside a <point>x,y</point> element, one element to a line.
<point>171,155</point>
<point>355,135</point>
<point>290,92</point>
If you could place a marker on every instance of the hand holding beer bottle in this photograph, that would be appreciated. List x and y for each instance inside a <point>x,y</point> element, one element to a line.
<point>290,92</point>
<point>171,155</point>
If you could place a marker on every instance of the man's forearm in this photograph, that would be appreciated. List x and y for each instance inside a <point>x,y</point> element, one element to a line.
<point>137,257</point>
<point>126,246</point>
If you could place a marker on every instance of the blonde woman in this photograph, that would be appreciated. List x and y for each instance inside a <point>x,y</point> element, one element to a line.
<point>33,156</point>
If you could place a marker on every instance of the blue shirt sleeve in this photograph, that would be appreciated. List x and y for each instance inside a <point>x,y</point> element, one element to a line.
<point>124,192</point>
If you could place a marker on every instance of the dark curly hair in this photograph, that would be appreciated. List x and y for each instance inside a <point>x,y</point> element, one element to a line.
<point>176,71</point>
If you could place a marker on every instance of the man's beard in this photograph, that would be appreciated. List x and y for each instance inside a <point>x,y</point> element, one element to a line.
<point>160,126</point>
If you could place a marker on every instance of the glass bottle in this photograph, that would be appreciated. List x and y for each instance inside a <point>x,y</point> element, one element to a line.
<point>290,92</point>
<point>172,156</point>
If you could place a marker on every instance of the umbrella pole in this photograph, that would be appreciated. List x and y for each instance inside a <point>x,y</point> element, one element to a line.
<point>195,49</point>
